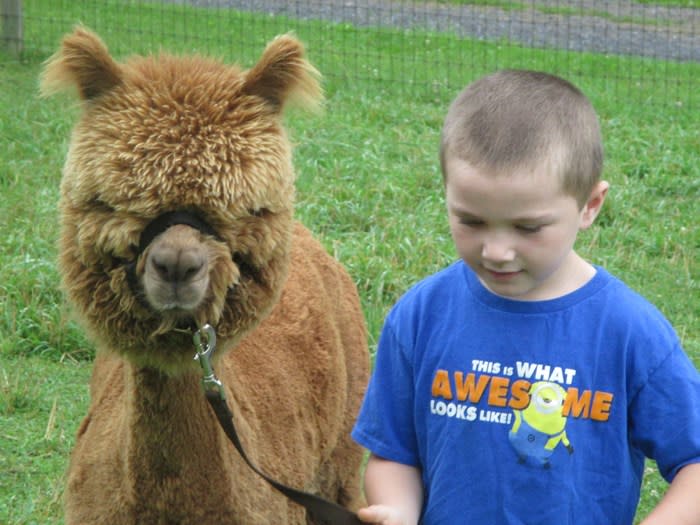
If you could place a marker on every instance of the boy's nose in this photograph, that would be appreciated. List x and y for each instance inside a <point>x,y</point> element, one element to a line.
<point>497,250</point>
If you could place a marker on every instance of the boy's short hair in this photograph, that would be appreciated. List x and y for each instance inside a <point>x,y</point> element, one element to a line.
<point>525,119</point>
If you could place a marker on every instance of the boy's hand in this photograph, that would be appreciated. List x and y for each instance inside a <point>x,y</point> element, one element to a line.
<point>680,505</point>
<point>394,492</point>
<point>381,515</point>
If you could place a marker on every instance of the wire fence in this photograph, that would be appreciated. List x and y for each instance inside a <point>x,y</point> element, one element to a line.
<point>651,52</point>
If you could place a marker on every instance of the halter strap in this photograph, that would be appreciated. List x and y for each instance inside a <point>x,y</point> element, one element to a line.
<point>172,218</point>
<point>154,228</point>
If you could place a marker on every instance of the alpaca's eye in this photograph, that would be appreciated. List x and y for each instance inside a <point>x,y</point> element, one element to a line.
<point>97,204</point>
<point>259,212</point>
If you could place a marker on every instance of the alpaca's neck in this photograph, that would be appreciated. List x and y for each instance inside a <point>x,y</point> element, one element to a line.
<point>166,415</point>
<point>173,441</point>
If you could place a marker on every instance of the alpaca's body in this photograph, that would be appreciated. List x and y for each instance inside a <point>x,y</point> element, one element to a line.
<point>194,141</point>
<point>166,447</point>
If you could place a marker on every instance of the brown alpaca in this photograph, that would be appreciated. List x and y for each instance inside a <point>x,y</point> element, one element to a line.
<point>163,134</point>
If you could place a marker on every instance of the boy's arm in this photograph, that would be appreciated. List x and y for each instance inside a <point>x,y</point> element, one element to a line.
<point>394,492</point>
<point>681,503</point>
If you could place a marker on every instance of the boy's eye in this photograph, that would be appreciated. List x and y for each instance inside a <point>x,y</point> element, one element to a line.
<point>472,223</point>
<point>529,228</point>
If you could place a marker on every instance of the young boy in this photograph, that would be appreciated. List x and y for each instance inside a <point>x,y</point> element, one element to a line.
<point>522,385</point>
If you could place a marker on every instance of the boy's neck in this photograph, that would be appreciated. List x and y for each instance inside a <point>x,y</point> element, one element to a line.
<point>573,274</point>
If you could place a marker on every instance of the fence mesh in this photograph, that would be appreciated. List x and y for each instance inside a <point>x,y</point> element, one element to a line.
<point>651,52</point>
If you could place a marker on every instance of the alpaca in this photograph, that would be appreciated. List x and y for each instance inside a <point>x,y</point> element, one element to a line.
<point>162,135</point>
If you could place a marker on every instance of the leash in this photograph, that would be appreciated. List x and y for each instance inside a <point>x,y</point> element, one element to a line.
<point>323,511</point>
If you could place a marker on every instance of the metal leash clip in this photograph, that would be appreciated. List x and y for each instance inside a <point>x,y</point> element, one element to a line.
<point>205,341</point>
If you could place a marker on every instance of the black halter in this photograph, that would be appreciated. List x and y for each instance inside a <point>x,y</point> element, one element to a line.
<point>168,219</point>
<point>153,229</point>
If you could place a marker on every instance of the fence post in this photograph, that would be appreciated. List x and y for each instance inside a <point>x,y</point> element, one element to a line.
<point>12,23</point>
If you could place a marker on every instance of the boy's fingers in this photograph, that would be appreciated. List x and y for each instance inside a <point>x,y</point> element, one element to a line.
<point>379,514</point>
<point>368,515</point>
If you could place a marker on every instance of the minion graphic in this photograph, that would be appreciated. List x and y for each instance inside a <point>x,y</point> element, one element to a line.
<point>539,428</point>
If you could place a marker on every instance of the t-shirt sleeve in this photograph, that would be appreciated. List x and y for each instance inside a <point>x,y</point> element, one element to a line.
<point>385,425</point>
<point>665,414</point>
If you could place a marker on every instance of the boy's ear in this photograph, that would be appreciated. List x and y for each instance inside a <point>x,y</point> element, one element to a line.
<point>283,73</point>
<point>82,62</point>
<point>594,204</point>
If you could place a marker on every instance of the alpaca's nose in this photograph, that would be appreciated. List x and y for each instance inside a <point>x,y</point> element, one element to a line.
<point>177,265</point>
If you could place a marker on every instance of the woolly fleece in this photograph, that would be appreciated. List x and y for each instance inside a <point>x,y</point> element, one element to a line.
<point>163,133</point>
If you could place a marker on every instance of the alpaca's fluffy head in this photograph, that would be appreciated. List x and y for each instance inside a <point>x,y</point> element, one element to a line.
<point>164,134</point>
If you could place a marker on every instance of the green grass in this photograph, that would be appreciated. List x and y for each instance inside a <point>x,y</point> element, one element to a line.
<point>429,66</point>
<point>41,400</point>
<point>368,185</point>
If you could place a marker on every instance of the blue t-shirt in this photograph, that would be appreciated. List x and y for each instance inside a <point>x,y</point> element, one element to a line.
<point>530,412</point>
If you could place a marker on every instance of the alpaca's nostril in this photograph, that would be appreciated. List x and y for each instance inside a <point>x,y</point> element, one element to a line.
<point>189,265</point>
<point>164,264</point>
<point>176,266</point>
<point>162,270</point>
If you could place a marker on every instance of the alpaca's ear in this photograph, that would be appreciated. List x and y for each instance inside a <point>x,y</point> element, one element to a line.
<point>82,62</point>
<point>284,74</point>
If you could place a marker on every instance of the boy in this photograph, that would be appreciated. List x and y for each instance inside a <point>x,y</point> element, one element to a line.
<point>522,384</point>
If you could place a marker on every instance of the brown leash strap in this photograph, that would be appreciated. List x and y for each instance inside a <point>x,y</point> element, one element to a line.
<point>322,511</point>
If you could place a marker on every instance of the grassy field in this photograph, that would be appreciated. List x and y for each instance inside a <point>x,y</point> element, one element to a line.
<point>368,185</point>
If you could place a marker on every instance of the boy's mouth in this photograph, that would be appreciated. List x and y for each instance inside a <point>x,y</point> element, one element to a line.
<point>501,275</point>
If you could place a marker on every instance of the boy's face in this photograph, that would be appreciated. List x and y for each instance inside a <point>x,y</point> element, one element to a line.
<point>517,230</point>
